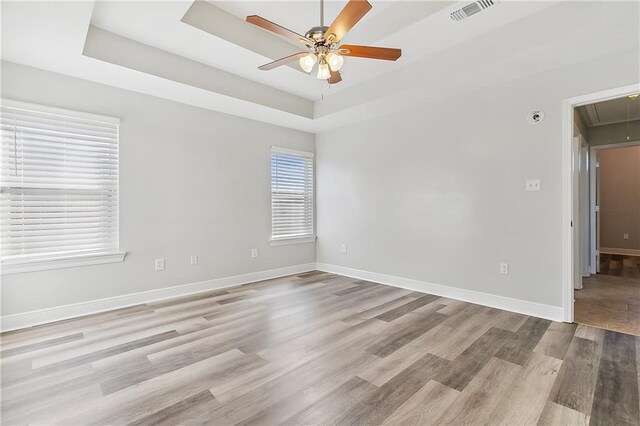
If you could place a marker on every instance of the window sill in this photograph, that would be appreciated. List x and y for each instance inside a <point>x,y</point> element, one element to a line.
<point>18,267</point>
<point>294,240</point>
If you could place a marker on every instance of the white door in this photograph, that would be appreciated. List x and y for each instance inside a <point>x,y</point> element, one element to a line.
<point>585,212</point>
<point>575,225</point>
<point>596,218</point>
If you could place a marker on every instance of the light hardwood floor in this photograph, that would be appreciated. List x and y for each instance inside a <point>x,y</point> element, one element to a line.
<point>610,302</point>
<point>318,349</point>
<point>620,265</point>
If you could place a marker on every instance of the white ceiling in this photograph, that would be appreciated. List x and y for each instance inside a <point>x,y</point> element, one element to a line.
<point>611,112</point>
<point>206,55</point>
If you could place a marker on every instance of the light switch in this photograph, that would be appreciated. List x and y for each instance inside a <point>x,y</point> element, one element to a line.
<point>254,253</point>
<point>160,264</point>
<point>533,184</point>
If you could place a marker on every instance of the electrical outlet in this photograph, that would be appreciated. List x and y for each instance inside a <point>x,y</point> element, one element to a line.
<point>625,236</point>
<point>194,260</point>
<point>160,264</point>
<point>533,185</point>
<point>343,248</point>
<point>254,253</point>
<point>504,268</point>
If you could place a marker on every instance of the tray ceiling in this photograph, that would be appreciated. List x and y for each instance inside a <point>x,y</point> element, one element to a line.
<point>206,55</point>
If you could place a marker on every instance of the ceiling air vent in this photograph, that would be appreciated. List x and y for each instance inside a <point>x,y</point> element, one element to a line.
<point>471,9</point>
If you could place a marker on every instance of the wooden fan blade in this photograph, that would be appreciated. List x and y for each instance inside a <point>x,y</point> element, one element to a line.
<point>348,17</point>
<point>278,29</point>
<point>335,77</point>
<point>282,61</point>
<point>370,52</point>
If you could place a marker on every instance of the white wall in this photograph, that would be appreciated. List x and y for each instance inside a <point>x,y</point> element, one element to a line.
<point>436,193</point>
<point>192,181</point>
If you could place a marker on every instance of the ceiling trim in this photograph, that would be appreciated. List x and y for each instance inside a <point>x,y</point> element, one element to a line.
<point>222,24</point>
<point>109,47</point>
<point>592,115</point>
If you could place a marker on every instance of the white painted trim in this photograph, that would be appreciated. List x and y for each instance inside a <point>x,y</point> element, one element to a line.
<point>554,313</point>
<point>585,216</point>
<point>616,145</point>
<point>594,264</point>
<point>279,150</point>
<point>296,240</point>
<point>60,111</point>
<point>62,262</point>
<point>28,319</point>
<point>568,214</point>
<point>620,251</point>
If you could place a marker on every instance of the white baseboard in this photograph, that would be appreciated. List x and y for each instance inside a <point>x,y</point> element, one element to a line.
<point>554,313</point>
<point>43,316</point>
<point>621,251</point>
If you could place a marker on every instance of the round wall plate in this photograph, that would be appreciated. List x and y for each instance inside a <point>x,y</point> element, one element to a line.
<point>535,117</point>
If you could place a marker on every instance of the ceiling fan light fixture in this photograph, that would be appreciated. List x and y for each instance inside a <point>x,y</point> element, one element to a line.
<point>323,70</point>
<point>335,60</point>
<point>322,42</point>
<point>307,62</point>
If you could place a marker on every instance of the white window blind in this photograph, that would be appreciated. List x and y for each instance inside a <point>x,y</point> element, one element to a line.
<point>291,194</point>
<point>59,183</point>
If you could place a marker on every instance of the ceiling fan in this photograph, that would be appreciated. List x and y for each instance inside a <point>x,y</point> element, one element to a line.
<point>322,43</point>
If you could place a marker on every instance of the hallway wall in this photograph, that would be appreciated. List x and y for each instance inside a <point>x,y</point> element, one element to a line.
<point>620,197</point>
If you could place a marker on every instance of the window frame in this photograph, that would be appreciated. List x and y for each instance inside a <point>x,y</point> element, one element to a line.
<point>286,240</point>
<point>46,261</point>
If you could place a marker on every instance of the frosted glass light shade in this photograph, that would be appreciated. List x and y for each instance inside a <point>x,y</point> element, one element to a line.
<point>335,61</point>
<point>307,62</point>
<point>323,71</point>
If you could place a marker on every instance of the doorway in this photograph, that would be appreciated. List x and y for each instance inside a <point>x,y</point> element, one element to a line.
<point>606,213</point>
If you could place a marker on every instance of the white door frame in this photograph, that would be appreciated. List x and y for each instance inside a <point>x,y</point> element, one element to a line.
<point>595,224</point>
<point>569,216</point>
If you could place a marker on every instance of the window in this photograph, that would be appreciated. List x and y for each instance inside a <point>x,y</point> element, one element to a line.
<point>58,188</point>
<point>291,195</point>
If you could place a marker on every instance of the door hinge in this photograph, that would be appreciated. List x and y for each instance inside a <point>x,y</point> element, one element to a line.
<point>597,208</point>
<point>597,252</point>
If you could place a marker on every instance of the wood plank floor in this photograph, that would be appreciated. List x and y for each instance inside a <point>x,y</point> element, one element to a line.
<point>610,302</point>
<point>318,349</point>
<point>620,265</point>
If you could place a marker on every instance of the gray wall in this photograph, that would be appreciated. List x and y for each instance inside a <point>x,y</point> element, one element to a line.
<point>192,181</point>
<point>437,193</point>
<point>620,197</point>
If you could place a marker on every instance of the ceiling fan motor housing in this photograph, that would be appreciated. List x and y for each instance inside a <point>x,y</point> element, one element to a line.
<point>322,42</point>
<point>317,33</point>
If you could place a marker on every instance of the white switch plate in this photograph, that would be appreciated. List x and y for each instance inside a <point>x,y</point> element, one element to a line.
<point>254,253</point>
<point>194,260</point>
<point>504,268</point>
<point>533,184</point>
<point>625,236</point>
<point>343,248</point>
<point>160,264</point>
